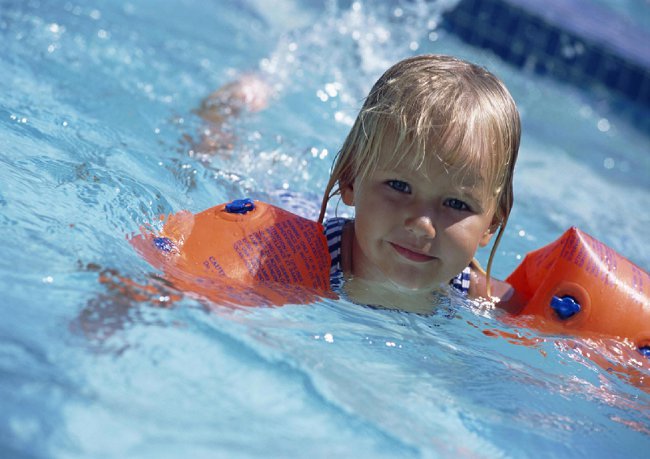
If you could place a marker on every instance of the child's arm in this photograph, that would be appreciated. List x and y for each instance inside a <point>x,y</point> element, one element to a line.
<point>248,93</point>
<point>502,293</point>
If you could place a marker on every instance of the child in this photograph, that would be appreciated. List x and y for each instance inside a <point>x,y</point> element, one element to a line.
<point>428,167</point>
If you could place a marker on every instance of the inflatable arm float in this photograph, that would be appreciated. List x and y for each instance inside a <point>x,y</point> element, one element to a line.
<point>579,286</point>
<point>247,253</point>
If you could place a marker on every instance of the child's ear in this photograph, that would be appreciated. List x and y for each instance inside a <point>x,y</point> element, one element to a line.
<point>487,236</point>
<point>347,194</point>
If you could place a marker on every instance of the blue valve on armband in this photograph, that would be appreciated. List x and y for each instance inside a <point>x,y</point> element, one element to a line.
<point>164,243</point>
<point>565,307</point>
<point>240,206</point>
<point>645,351</point>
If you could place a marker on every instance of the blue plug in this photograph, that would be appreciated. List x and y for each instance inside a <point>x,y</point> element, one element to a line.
<point>164,243</point>
<point>565,307</point>
<point>240,206</point>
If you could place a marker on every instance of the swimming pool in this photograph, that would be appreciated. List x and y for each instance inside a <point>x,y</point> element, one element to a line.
<point>95,116</point>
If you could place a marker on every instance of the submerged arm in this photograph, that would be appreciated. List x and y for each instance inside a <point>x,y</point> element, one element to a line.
<point>502,293</point>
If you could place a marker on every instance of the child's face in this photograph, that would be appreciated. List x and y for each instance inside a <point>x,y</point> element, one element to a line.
<point>417,228</point>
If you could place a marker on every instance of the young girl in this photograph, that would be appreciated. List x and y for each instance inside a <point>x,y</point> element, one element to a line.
<point>428,167</point>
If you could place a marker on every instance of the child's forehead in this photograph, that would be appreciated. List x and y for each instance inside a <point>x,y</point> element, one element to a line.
<point>432,166</point>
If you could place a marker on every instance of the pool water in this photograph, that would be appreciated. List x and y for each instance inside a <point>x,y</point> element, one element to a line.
<point>98,135</point>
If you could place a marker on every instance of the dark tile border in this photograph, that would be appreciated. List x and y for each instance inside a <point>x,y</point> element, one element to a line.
<point>549,42</point>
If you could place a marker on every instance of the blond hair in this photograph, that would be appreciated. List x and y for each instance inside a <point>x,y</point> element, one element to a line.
<point>437,105</point>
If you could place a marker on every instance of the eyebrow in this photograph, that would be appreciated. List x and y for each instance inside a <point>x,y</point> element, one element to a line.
<point>466,189</point>
<point>483,199</point>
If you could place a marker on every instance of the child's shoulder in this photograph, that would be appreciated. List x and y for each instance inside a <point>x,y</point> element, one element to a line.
<point>335,223</point>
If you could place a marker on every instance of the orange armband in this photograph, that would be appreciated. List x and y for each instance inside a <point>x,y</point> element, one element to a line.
<point>243,252</point>
<point>579,286</point>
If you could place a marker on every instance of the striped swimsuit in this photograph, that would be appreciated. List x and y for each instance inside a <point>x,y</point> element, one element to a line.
<point>334,234</point>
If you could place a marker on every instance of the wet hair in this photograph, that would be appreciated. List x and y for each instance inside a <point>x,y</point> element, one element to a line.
<point>440,106</point>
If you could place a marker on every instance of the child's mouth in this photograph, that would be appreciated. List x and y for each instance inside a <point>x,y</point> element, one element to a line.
<point>410,254</point>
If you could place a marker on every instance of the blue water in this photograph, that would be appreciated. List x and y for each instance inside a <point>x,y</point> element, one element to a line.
<point>96,126</point>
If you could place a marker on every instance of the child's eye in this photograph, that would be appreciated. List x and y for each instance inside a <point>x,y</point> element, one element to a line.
<point>400,186</point>
<point>456,204</point>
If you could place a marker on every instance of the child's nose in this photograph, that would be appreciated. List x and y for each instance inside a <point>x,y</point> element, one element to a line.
<point>421,226</point>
